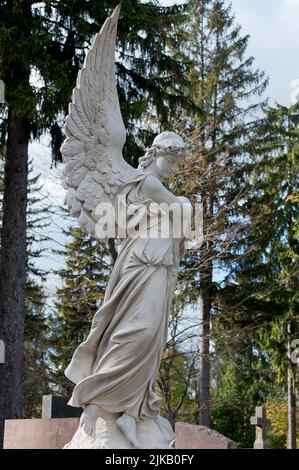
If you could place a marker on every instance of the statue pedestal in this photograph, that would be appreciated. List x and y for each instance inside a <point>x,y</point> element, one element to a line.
<point>62,433</point>
<point>152,434</point>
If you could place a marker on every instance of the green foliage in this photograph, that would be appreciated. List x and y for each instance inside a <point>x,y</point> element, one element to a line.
<point>263,289</point>
<point>177,383</point>
<point>277,412</point>
<point>35,363</point>
<point>233,405</point>
<point>227,89</point>
<point>42,47</point>
<point>36,344</point>
<point>243,377</point>
<point>177,379</point>
<point>260,296</point>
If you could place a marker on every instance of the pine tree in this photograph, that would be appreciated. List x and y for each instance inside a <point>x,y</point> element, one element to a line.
<point>35,359</point>
<point>227,90</point>
<point>35,376</point>
<point>35,368</point>
<point>263,290</point>
<point>243,377</point>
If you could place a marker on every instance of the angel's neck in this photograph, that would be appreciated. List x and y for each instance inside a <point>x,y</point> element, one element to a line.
<point>152,170</point>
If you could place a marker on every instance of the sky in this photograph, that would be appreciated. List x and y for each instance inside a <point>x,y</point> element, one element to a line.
<point>273,26</point>
<point>274,42</point>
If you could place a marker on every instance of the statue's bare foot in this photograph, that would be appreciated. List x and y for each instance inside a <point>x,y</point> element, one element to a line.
<point>89,418</point>
<point>127,425</point>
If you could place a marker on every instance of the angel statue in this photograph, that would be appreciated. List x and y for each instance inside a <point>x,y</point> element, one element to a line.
<point>115,369</point>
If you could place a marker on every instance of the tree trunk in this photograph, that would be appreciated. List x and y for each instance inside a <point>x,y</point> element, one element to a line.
<point>291,410</point>
<point>204,345</point>
<point>291,441</point>
<point>13,268</point>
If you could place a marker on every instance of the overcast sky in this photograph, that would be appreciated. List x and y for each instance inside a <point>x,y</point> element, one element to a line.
<point>273,26</point>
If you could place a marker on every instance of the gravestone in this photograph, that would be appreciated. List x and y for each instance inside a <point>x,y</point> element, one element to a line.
<point>39,433</point>
<point>56,428</point>
<point>55,406</point>
<point>190,436</point>
<point>260,422</point>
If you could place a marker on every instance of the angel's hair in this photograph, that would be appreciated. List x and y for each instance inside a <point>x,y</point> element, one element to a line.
<point>156,151</point>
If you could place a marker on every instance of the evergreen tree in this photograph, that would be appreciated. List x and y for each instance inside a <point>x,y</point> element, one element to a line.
<point>227,90</point>
<point>243,377</point>
<point>35,376</point>
<point>35,368</point>
<point>35,359</point>
<point>233,405</point>
<point>262,292</point>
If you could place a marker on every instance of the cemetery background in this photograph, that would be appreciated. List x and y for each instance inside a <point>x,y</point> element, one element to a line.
<point>246,364</point>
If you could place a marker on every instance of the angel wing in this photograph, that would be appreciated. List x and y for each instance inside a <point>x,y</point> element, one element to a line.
<point>95,133</point>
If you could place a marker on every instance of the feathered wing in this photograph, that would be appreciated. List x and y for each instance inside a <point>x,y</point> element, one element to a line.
<point>95,133</point>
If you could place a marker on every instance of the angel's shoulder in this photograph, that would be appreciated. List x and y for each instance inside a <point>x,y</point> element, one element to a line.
<point>151,184</point>
<point>149,180</point>
<point>154,189</point>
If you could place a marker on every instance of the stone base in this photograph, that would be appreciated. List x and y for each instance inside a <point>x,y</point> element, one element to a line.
<point>65,433</point>
<point>62,433</point>
<point>152,434</point>
<point>189,436</point>
<point>39,433</point>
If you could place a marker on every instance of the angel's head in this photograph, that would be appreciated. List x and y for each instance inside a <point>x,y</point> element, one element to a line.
<point>164,155</point>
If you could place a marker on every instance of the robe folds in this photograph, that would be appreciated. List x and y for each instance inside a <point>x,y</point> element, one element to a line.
<point>116,366</point>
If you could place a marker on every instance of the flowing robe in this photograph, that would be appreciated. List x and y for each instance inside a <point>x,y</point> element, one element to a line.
<point>116,367</point>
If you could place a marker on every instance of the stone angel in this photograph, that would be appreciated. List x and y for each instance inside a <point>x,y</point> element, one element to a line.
<point>115,369</point>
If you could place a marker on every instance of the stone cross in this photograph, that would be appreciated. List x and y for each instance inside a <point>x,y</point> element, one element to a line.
<point>56,407</point>
<point>261,422</point>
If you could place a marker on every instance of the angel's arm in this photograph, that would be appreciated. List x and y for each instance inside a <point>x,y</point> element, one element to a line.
<point>154,190</point>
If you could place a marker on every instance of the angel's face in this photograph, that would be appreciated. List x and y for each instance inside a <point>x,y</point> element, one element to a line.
<point>166,164</point>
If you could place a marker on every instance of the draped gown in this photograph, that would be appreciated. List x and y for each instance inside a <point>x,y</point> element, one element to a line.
<point>116,367</point>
